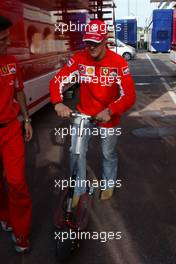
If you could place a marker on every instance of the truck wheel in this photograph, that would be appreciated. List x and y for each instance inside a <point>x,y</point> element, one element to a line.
<point>127,56</point>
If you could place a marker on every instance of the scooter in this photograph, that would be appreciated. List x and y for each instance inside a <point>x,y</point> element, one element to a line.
<point>72,220</point>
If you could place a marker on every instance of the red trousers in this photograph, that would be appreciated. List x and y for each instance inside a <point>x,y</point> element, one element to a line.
<point>15,201</point>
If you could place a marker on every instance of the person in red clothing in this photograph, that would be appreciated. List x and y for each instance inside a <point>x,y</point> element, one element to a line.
<point>106,92</point>
<point>15,204</point>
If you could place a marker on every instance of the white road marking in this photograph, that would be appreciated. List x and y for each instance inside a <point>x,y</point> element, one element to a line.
<point>153,64</point>
<point>172,95</point>
<point>145,75</point>
<point>141,84</point>
<point>164,82</point>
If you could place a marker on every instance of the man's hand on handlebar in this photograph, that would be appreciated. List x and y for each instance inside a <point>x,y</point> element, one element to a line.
<point>62,110</point>
<point>104,116</point>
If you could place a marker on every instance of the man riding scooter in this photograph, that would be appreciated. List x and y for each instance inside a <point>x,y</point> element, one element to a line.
<point>106,100</point>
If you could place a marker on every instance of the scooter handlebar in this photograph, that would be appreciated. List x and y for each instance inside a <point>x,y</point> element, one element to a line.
<point>84,116</point>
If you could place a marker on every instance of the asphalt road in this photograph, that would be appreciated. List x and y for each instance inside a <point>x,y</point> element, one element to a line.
<point>143,209</point>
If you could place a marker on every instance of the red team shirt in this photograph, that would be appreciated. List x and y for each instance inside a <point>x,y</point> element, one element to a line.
<point>10,83</point>
<point>103,84</point>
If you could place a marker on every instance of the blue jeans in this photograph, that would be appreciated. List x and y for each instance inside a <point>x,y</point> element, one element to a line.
<point>108,148</point>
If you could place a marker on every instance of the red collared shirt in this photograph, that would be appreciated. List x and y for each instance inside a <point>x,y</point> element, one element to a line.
<point>10,83</point>
<point>103,84</point>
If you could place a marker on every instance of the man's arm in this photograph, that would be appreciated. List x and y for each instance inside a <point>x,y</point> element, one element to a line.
<point>64,77</point>
<point>127,92</point>
<point>126,99</point>
<point>21,99</point>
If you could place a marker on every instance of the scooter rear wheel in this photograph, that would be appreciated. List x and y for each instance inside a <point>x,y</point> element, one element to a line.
<point>65,248</point>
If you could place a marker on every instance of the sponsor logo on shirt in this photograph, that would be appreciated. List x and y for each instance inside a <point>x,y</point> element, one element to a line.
<point>4,70</point>
<point>113,72</point>
<point>104,71</point>
<point>108,71</point>
<point>70,62</point>
<point>12,68</point>
<point>86,70</point>
<point>82,68</point>
<point>8,69</point>
<point>90,70</point>
<point>125,70</point>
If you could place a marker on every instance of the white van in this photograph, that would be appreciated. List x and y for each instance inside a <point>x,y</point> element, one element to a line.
<point>124,50</point>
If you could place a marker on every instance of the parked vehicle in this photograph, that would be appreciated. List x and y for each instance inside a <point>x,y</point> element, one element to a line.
<point>40,50</point>
<point>160,30</point>
<point>124,50</point>
<point>173,44</point>
<point>126,31</point>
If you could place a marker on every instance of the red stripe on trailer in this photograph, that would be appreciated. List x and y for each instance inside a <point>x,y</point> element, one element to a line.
<point>38,101</point>
<point>173,61</point>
